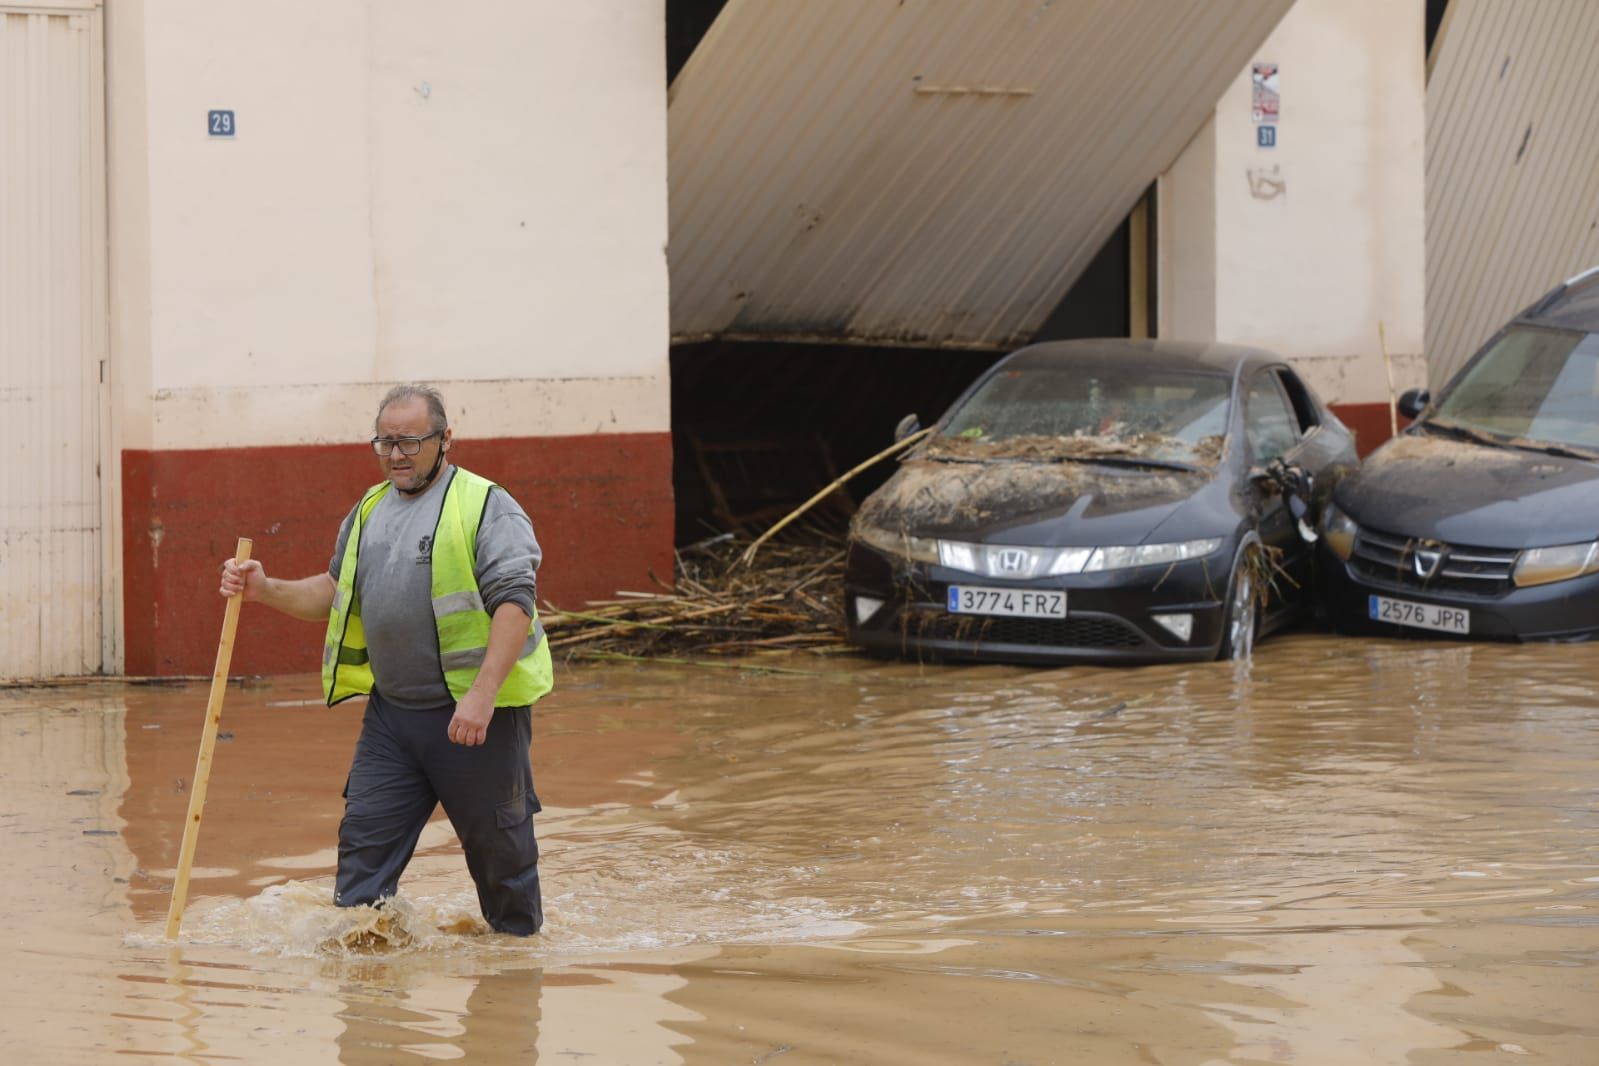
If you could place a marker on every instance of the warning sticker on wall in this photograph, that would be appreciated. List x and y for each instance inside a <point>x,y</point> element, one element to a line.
<point>1264,100</point>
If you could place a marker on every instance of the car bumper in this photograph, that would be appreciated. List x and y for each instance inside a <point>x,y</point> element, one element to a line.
<point>1109,616</point>
<point>1561,610</point>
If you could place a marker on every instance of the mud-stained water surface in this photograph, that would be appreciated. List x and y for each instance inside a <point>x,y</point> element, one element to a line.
<point>1349,852</point>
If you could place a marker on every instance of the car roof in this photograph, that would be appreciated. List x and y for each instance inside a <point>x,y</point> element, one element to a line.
<point>1221,359</point>
<point>1573,304</point>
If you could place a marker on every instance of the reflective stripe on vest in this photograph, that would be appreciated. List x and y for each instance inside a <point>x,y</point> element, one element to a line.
<point>472,658</point>
<point>461,623</point>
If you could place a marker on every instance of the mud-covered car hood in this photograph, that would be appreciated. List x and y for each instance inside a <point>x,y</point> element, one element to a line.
<point>1474,494</point>
<point>1042,504</point>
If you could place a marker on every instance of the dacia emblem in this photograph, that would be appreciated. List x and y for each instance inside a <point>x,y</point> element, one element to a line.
<point>1426,563</point>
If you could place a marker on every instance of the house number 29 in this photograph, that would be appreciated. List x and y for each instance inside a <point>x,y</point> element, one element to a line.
<point>220,123</point>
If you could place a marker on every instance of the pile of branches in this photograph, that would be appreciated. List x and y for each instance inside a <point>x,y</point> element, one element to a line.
<point>731,595</point>
<point>724,601</point>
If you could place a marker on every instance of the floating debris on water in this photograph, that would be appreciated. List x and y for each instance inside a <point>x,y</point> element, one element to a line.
<point>374,930</point>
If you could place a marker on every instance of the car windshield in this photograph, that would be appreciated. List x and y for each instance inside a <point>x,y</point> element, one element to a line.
<point>1539,385</point>
<point>1124,410</point>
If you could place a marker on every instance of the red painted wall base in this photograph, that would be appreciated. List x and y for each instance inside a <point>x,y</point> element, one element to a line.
<point>1369,422</point>
<point>601,506</point>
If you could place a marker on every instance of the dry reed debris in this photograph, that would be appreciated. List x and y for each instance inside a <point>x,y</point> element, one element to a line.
<point>789,601</point>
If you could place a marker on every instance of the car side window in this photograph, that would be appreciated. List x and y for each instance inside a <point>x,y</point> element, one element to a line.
<point>1269,422</point>
<point>1304,407</point>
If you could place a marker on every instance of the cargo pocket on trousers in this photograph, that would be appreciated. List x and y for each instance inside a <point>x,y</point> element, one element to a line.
<point>516,810</point>
<point>514,817</point>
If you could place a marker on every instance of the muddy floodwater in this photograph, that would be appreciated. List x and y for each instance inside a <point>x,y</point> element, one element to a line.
<point>1346,852</point>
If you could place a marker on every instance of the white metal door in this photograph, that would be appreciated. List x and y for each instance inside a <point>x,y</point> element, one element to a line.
<point>52,342</point>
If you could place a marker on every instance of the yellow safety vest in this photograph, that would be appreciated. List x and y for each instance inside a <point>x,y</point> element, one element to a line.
<point>460,620</point>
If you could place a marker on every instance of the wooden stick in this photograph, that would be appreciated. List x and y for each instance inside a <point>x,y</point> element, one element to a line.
<point>898,446</point>
<point>208,740</point>
<point>1393,398</point>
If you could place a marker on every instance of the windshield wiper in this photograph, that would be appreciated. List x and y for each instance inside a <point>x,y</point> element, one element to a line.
<point>1560,450</point>
<point>1522,443</point>
<point>1104,460</point>
<point>1465,432</point>
<point>1128,460</point>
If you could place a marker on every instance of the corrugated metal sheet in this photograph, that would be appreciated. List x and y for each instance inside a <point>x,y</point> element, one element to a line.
<point>935,172</point>
<point>52,329</point>
<point>1512,165</point>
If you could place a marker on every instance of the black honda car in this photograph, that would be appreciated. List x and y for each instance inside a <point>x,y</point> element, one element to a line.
<point>1110,500</point>
<point>1482,519</point>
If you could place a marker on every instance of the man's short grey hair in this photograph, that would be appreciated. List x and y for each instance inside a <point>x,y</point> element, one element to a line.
<point>435,404</point>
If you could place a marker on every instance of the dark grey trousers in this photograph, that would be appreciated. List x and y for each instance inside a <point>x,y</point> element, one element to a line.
<point>404,765</point>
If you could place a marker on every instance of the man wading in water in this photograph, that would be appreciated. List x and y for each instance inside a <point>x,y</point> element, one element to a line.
<point>429,601</point>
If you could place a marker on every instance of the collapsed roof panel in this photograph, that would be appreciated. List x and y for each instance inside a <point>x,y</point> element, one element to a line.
<point>1512,166</point>
<point>936,172</point>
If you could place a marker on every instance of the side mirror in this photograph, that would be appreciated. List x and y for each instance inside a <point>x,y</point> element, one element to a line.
<point>1297,487</point>
<point>1414,401</point>
<point>1289,479</point>
<point>906,426</point>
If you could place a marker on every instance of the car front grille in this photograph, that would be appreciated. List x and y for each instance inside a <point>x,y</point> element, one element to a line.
<point>1039,632</point>
<point>1403,562</point>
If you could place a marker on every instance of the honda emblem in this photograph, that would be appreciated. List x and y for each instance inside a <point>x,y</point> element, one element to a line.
<point>1012,561</point>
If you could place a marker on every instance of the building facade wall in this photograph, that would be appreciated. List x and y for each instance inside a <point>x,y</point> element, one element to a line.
<point>1317,242</point>
<point>475,199</point>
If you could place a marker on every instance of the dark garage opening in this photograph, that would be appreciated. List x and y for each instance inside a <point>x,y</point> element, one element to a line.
<point>687,22</point>
<point>758,427</point>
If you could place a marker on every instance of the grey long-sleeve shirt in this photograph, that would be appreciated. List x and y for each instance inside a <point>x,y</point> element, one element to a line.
<point>394,580</point>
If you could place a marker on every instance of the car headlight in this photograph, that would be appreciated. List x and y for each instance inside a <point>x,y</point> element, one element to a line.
<point>1011,561</point>
<point>1339,530</point>
<point>1540,566</point>
<point>1124,556</point>
<point>905,546</point>
<point>1070,561</point>
<point>958,556</point>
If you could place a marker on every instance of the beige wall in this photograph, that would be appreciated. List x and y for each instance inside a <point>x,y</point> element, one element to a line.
<point>471,196</point>
<point>1319,240</point>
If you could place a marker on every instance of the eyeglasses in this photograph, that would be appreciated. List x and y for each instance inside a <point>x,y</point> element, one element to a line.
<point>384,446</point>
